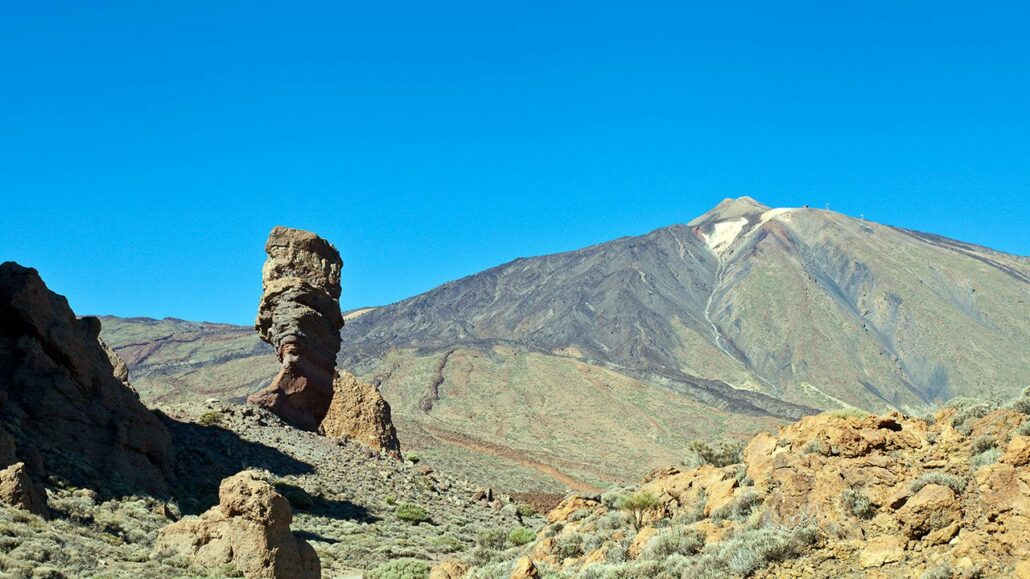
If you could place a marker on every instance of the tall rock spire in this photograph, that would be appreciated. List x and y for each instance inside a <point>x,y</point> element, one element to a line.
<point>299,316</point>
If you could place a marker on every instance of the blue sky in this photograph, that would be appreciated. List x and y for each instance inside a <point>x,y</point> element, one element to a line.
<point>145,151</point>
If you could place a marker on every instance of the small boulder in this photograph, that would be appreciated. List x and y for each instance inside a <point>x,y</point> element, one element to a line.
<point>248,529</point>
<point>933,507</point>
<point>19,490</point>
<point>525,569</point>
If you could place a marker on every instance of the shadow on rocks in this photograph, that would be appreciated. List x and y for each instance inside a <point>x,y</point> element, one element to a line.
<point>207,454</point>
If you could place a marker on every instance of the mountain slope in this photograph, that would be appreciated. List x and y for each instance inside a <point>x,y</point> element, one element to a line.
<point>741,319</point>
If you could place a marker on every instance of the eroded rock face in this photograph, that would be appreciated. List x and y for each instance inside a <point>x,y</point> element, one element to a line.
<point>359,412</point>
<point>60,400</point>
<point>249,530</point>
<point>891,495</point>
<point>299,316</point>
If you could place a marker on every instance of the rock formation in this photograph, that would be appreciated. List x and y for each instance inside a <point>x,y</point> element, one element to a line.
<point>19,490</point>
<point>888,496</point>
<point>61,404</point>
<point>299,316</point>
<point>359,412</point>
<point>249,530</point>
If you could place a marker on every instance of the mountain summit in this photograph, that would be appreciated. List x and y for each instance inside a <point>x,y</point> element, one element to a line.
<point>744,317</point>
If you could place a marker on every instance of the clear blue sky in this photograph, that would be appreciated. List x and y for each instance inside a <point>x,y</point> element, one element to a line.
<point>146,151</point>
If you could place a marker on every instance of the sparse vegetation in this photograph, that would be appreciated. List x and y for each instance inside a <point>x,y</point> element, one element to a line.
<point>401,569</point>
<point>939,478</point>
<point>968,412</point>
<point>718,454</point>
<point>989,456</point>
<point>938,572</point>
<point>638,505</point>
<point>740,508</point>
<point>210,418</point>
<point>677,541</point>
<point>848,413</point>
<point>857,504</point>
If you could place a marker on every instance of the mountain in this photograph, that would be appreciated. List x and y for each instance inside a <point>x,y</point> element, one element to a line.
<point>588,367</point>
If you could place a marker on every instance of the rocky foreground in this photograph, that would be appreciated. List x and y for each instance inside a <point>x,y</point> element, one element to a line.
<point>834,495</point>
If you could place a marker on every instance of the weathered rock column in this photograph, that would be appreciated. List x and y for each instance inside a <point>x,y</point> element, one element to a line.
<point>299,316</point>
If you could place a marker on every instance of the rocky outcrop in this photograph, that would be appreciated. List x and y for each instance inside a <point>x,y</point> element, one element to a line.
<point>892,496</point>
<point>19,490</point>
<point>360,413</point>
<point>60,401</point>
<point>248,530</point>
<point>300,317</point>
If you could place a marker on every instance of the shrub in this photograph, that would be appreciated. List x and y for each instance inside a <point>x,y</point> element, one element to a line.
<point>1022,429</point>
<point>612,521</point>
<point>412,458</point>
<point>491,538</point>
<point>1022,402</point>
<point>525,510</point>
<point>989,456</point>
<point>568,546</point>
<point>401,569</point>
<point>638,505</point>
<point>968,414</point>
<point>678,541</point>
<point>857,504</point>
<point>391,500</point>
<point>741,506</point>
<point>411,513</point>
<point>720,454</point>
<point>982,443</point>
<point>210,418</point>
<point>939,478</point>
<point>754,549</point>
<point>521,536</point>
<point>579,515</point>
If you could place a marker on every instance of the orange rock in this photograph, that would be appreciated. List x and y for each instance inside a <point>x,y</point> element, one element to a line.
<point>525,569</point>
<point>448,569</point>
<point>933,507</point>
<point>1018,451</point>
<point>640,541</point>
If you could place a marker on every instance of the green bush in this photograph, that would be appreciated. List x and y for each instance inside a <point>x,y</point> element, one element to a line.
<point>401,569</point>
<point>939,478</point>
<point>525,510</point>
<point>210,418</point>
<point>521,536</point>
<point>411,513</point>
<point>719,454</point>
<point>857,504</point>
<point>638,505</point>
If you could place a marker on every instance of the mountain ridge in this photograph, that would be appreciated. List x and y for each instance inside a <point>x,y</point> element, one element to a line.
<point>740,319</point>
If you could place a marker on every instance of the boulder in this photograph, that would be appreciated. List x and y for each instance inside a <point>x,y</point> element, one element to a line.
<point>59,385</point>
<point>359,412</point>
<point>448,569</point>
<point>299,315</point>
<point>19,490</point>
<point>525,569</point>
<point>249,530</point>
<point>933,507</point>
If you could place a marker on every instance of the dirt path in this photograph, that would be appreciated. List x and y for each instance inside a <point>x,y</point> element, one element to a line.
<point>509,454</point>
